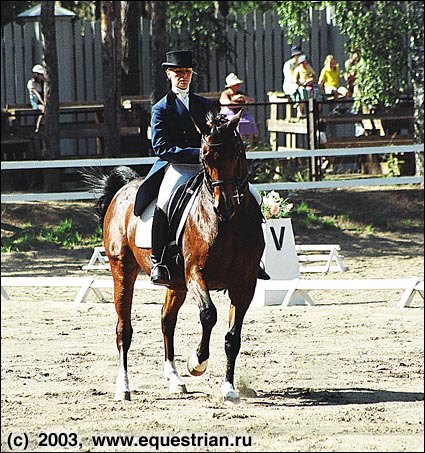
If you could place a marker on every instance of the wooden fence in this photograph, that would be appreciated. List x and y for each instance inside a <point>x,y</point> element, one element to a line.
<point>260,44</point>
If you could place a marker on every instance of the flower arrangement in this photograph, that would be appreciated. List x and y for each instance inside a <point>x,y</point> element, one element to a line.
<point>274,206</point>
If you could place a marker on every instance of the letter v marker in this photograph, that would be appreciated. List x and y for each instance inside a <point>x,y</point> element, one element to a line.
<point>278,242</point>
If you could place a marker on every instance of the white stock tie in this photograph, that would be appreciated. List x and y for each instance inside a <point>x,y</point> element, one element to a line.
<point>184,97</point>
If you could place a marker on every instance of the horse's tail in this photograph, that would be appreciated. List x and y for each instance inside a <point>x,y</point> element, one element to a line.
<point>108,185</point>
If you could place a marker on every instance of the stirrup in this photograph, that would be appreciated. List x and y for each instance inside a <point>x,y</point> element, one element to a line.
<point>160,274</point>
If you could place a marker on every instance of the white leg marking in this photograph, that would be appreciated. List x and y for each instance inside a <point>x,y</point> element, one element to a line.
<point>195,368</point>
<point>122,387</point>
<point>176,385</point>
<point>229,393</point>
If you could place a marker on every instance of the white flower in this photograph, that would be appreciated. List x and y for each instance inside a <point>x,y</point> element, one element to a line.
<point>274,206</point>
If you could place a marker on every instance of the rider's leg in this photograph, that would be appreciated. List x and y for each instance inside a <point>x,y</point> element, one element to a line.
<point>175,175</point>
<point>159,273</point>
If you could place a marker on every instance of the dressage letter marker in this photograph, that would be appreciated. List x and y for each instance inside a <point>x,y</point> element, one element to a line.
<point>280,259</point>
<point>278,243</point>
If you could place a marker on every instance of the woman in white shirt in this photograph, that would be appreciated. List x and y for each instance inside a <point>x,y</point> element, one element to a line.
<point>35,89</point>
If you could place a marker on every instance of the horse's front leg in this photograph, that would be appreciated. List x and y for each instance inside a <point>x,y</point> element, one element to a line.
<point>238,309</point>
<point>198,360</point>
<point>173,301</point>
<point>124,275</point>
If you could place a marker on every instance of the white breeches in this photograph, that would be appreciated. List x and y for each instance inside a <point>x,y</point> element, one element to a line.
<point>176,174</point>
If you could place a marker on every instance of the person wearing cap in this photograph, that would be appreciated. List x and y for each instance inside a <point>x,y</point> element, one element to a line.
<point>306,80</point>
<point>231,96</point>
<point>177,142</point>
<point>35,88</point>
<point>290,86</point>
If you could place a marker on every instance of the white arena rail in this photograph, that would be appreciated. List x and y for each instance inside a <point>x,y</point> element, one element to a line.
<point>84,283</point>
<point>409,286</point>
<point>290,288</point>
<point>111,162</point>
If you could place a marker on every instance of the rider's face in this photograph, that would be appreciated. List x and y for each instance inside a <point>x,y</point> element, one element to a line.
<point>180,77</point>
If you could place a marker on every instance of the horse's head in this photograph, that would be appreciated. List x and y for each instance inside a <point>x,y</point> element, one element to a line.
<point>224,161</point>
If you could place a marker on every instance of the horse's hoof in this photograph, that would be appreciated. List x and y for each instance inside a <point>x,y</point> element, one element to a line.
<point>122,396</point>
<point>229,393</point>
<point>194,367</point>
<point>177,388</point>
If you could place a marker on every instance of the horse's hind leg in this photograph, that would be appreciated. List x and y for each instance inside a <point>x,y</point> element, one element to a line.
<point>124,274</point>
<point>173,301</point>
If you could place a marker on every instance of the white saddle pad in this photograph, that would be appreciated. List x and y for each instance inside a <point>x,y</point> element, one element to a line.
<point>143,238</point>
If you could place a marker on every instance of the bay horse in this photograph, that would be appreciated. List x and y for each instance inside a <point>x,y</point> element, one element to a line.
<point>222,246</point>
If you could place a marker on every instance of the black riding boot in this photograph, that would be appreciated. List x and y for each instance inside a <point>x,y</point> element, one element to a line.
<point>159,272</point>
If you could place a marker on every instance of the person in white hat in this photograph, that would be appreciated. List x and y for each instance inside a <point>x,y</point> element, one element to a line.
<point>35,88</point>
<point>230,98</point>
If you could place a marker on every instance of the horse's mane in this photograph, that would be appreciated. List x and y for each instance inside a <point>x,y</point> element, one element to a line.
<point>219,126</point>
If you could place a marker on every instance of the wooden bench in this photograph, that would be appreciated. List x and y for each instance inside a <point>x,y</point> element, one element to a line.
<point>290,124</point>
<point>91,126</point>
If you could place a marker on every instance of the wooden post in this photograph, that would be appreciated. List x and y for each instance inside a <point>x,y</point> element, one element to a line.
<point>312,136</point>
<point>273,116</point>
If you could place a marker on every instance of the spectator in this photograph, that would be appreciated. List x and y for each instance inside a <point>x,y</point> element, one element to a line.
<point>329,82</point>
<point>36,89</point>
<point>351,66</point>
<point>290,86</point>
<point>231,96</point>
<point>329,79</point>
<point>306,80</point>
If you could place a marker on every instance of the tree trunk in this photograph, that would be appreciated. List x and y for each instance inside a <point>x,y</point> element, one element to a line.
<point>51,94</point>
<point>111,58</point>
<point>416,13</point>
<point>159,46</point>
<point>130,17</point>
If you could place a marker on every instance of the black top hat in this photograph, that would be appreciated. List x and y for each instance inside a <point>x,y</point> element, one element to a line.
<point>178,59</point>
<point>295,51</point>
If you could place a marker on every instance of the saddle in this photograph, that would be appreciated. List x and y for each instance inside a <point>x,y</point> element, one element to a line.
<point>179,207</point>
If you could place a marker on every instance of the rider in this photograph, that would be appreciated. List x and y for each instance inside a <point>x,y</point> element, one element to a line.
<point>176,141</point>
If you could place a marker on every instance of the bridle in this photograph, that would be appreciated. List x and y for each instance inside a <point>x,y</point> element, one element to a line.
<point>240,183</point>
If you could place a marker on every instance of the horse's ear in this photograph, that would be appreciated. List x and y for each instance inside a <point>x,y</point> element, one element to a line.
<point>201,128</point>
<point>233,123</point>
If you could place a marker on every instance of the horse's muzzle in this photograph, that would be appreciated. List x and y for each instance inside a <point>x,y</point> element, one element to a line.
<point>224,208</point>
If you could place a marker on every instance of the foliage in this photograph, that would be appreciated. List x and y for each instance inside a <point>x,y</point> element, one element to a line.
<point>63,235</point>
<point>294,17</point>
<point>375,28</point>
<point>207,29</point>
<point>274,206</point>
<point>309,217</point>
<point>9,10</point>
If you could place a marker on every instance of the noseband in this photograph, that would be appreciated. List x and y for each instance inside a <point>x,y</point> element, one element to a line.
<point>239,183</point>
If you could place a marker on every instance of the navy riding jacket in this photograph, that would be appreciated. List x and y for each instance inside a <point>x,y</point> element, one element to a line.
<point>175,140</point>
